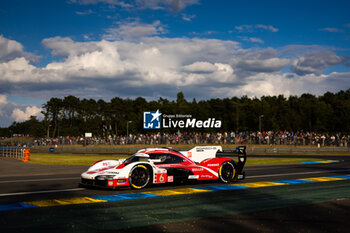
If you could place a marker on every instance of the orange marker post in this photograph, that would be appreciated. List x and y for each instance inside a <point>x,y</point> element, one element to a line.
<point>26,155</point>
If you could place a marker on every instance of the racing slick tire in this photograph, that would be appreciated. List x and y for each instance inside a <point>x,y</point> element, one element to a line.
<point>139,176</point>
<point>227,172</point>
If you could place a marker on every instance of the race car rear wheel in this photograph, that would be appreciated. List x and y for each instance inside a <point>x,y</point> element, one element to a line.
<point>139,176</point>
<point>227,172</point>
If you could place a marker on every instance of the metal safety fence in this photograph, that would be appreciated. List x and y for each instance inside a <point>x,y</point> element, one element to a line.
<point>16,153</point>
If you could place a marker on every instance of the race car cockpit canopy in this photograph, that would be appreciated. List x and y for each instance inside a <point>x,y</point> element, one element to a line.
<point>137,157</point>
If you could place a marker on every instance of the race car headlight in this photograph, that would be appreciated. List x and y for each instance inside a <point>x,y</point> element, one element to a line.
<point>105,177</point>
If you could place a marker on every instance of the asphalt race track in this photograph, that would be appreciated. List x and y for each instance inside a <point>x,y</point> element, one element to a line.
<point>273,198</point>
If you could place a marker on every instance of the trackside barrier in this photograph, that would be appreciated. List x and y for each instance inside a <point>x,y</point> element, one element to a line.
<point>16,153</point>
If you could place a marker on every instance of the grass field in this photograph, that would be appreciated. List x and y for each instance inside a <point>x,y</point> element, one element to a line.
<point>70,159</point>
<point>74,159</point>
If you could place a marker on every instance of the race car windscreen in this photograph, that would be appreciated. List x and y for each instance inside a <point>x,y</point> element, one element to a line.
<point>135,158</point>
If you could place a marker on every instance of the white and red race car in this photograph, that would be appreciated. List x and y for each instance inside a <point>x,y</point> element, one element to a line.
<point>165,165</point>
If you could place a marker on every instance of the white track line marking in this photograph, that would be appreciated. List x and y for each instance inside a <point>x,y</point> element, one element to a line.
<point>38,192</point>
<point>38,180</point>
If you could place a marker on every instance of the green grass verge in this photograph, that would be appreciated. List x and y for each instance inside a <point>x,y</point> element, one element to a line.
<point>69,159</point>
<point>74,159</point>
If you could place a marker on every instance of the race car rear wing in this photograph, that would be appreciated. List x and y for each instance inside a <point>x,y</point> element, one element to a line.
<point>242,156</point>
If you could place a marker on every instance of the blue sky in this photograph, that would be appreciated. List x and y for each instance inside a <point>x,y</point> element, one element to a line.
<point>207,49</point>
<point>300,22</point>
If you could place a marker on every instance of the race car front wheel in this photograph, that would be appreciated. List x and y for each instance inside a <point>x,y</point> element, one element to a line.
<point>139,176</point>
<point>227,172</point>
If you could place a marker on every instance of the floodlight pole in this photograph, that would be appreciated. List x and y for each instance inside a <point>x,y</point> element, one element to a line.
<point>127,131</point>
<point>48,131</point>
<point>261,116</point>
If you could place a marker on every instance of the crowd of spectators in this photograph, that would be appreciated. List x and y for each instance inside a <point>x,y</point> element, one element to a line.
<point>267,137</point>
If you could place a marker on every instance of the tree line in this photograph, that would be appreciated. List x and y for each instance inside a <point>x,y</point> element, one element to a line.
<point>71,116</point>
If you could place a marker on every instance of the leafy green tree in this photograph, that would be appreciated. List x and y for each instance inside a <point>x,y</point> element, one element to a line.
<point>53,112</point>
<point>72,116</point>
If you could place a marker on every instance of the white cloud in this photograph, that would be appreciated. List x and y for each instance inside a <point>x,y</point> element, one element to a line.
<point>119,66</point>
<point>331,30</point>
<point>134,31</point>
<point>263,65</point>
<point>272,84</point>
<point>65,46</point>
<point>22,115</point>
<point>201,73</point>
<point>200,67</point>
<point>252,39</point>
<point>3,103</point>
<point>174,5</point>
<point>188,17</point>
<point>315,62</point>
<point>10,111</point>
<point>108,2</point>
<point>87,12</point>
<point>10,49</point>
<point>244,28</point>
<point>267,27</point>
<point>256,40</point>
<point>252,28</point>
<point>17,70</point>
<point>154,66</point>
